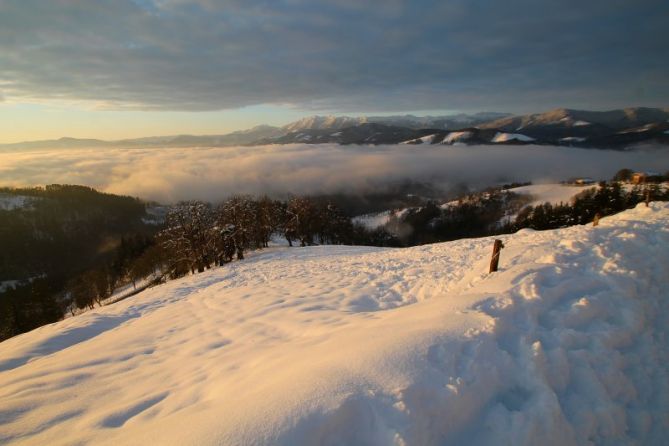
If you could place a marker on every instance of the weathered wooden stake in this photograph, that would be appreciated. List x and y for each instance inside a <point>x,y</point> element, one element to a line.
<point>497,247</point>
<point>595,221</point>
<point>647,197</point>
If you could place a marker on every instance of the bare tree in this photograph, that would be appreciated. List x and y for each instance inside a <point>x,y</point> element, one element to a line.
<point>235,220</point>
<point>301,220</point>
<point>188,235</point>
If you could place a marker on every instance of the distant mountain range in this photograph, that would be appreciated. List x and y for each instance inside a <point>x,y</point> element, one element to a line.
<point>240,137</point>
<point>615,129</point>
<point>408,121</point>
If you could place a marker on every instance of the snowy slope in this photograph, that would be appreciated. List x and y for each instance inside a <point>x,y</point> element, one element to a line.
<point>422,140</point>
<point>454,137</point>
<point>376,220</point>
<point>550,193</point>
<point>11,202</point>
<point>501,137</point>
<point>324,122</point>
<point>566,344</point>
<point>373,221</point>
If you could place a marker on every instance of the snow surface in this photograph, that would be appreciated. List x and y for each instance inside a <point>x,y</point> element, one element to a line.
<point>8,284</point>
<point>155,215</point>
<point>427,139</point>
<point>373,221</point>
<point>581,123</point>
<point>376,220</point>
<point>550,193</point>
<point>10,202</point>
<point>506,137</point>
<point>456,136</point>
<point>567,344</point>
<point>573,139</point>
<point>423,140</point>
<point>449,204</point>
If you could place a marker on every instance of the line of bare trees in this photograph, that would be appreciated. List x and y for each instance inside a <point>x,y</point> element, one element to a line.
<point>198,235</point>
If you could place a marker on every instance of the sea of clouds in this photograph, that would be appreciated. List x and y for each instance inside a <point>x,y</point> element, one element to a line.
<point>169,175</point>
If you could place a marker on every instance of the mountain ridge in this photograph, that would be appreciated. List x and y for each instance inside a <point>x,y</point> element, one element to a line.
<point>617,128</point>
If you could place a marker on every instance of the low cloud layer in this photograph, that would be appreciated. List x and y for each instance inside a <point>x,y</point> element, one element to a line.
<point>339,55</point>
<point>169,175</point>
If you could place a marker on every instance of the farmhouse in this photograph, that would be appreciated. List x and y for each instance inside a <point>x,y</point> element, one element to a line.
<point>643,177</point>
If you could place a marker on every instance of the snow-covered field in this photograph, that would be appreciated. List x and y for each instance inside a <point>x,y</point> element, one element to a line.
<point>506,137</point>
<point>550,193</point>
<point>566,344</point>
<point>10,202</point>
<point>453,137</point>
<point>373,221</point>
<point>553,193</point>
<point>7,284</point>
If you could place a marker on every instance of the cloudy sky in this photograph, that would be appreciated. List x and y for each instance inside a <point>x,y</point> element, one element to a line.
<point>124,68</point>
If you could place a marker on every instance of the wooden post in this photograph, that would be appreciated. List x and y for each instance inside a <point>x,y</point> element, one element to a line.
<point>646,190</point>
<point>497,247</point>
<point>595,221</point>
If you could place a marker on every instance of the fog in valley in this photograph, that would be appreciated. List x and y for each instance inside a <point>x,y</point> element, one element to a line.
<point>169,175</point>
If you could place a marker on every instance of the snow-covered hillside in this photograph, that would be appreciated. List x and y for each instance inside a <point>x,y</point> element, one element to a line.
<point>10,202</point>
<point>324,122</point>
<point>551,193</point>
<point>566,344</point>
<point>376,220</point>
<point>507,137</point>
<point>373,221</point>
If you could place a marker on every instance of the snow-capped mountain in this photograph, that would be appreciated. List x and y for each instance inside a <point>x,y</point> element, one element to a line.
<point>616,129</point>
<point>409,121</point>
<point>612,129</point>
<point>323,123</point>
<point>366,133</point>
<point>373,133</point>
<point>566,344</point>
<point>566,122</point>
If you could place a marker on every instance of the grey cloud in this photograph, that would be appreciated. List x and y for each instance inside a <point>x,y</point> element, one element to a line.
<point>176,174</point>
<point>342,55</point>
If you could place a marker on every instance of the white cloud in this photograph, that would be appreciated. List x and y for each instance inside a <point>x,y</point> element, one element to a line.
<point>213,173</point>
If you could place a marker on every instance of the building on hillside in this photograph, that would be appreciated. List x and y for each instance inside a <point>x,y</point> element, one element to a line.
<point>582,181</point>
<point>645,177</point>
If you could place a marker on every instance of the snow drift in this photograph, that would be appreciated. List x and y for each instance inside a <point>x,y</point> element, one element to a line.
<point>566,344</point>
